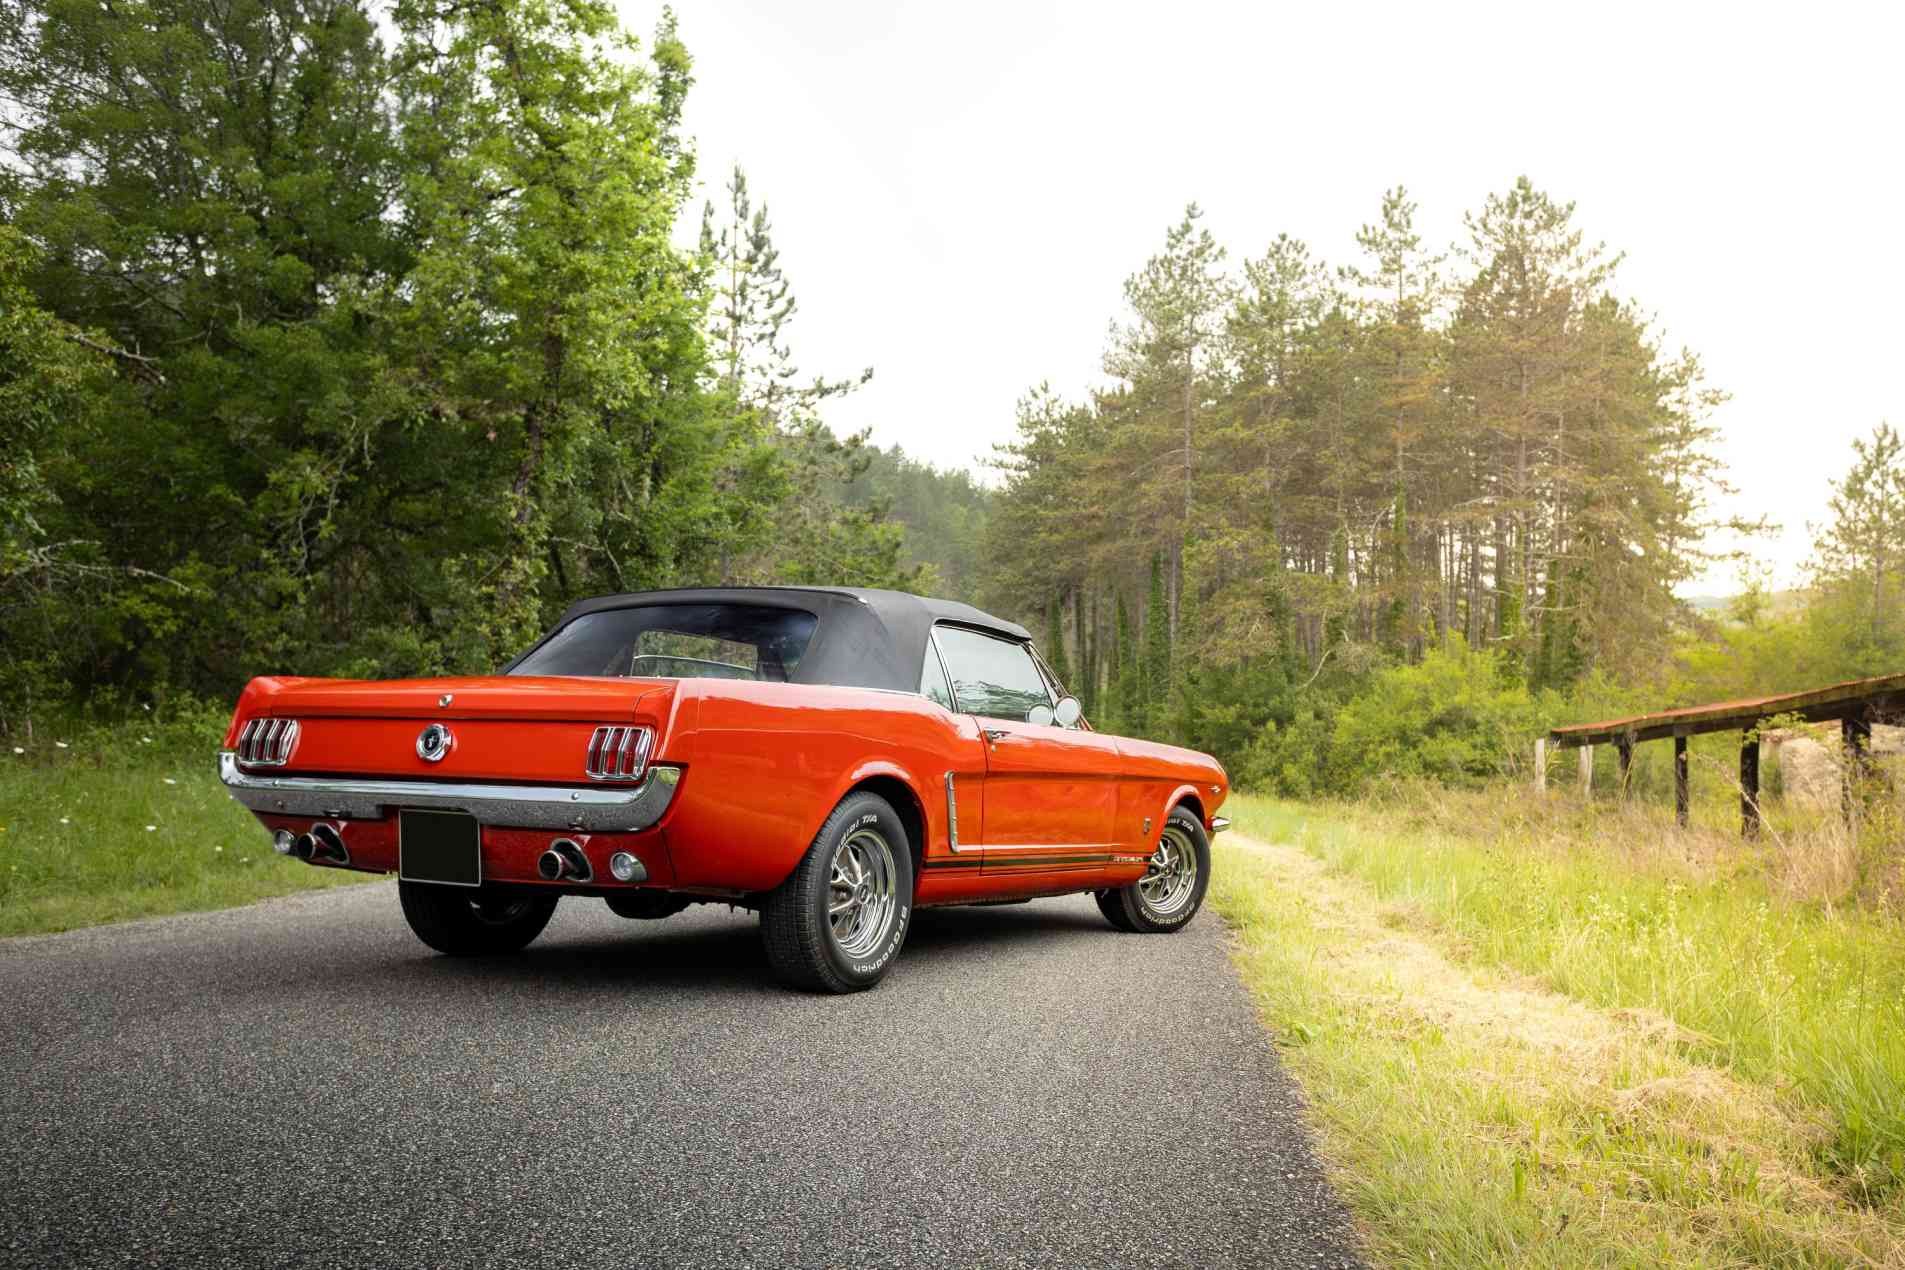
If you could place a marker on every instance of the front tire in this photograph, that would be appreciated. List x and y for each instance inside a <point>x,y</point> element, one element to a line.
<point>1172,889</point>
<point>838,921</point>
<point>460,922</point>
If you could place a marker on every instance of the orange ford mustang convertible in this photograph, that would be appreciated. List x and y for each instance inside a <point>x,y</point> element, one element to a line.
<point>834,758</point>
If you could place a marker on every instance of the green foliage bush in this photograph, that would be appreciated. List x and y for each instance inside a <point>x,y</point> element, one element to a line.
<point>1459,716</point>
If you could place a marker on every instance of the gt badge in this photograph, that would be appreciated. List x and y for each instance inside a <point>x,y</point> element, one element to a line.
<point>434,742</point>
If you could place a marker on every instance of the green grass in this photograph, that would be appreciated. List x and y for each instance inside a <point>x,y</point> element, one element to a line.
<point>1741,1096</point>
<point>76,849</point>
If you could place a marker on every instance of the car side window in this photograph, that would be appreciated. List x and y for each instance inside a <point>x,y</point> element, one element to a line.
<point>993,678</point>
<point>932,679</point>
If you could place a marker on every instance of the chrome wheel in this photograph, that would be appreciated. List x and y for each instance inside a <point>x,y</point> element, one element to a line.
<point>860,892</point>
<point>1170,880</point>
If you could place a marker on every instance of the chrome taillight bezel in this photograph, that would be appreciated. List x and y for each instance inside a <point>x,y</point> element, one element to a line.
<point>619,752</point>
<point>265,742</point>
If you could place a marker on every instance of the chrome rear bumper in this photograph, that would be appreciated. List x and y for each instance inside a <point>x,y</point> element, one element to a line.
<point>590,808</point>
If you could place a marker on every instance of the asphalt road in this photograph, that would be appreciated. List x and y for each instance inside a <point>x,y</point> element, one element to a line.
<point>302,1083</point>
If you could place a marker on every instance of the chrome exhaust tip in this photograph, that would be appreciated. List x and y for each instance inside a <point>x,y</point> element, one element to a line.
<point>563,861</point>
<point>329,843</point>
<point>304,847</point>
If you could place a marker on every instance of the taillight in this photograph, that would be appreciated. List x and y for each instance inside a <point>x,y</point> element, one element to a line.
<point>619,754</point>
<point>267,742</point>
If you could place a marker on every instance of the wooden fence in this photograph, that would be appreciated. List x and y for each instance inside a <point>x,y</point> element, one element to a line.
<point>1856,705</point>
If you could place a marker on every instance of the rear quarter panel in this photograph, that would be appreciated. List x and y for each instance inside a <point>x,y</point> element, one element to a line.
<point>765,763</point>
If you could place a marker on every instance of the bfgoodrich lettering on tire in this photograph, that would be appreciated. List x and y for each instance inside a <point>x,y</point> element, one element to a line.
<point>1172,888</point>
<point>837,923</point>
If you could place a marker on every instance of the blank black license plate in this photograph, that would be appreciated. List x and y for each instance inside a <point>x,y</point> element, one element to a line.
<point>439,846</point>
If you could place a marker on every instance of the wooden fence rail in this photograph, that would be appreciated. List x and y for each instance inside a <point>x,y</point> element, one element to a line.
<point>1855,704</point>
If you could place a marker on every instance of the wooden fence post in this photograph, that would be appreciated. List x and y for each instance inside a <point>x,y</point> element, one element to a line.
<point>1749,783</point>
<point>1625,747</point>
<point>1586,765</point>
<point>1856,732</point>
<point>1541,763</point>
<point>1680,791</point>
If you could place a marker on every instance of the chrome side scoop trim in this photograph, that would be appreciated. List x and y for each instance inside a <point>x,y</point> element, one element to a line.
<point>1219,823</point>
<point>591,808</point>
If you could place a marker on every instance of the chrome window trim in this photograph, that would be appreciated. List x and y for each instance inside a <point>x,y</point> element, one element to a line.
<point>591,808</point>
<point>1053,688</point>
<point>952,684</point>
<point>932,651</point>
<point>1059,692</point>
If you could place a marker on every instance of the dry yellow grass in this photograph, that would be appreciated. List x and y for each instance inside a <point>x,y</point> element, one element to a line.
<point>1476,1117</point>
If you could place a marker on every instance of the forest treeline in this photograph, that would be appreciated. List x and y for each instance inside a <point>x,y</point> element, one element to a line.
<point>1301,472</point>
<point>359,338</point>
<point>1400,514</point>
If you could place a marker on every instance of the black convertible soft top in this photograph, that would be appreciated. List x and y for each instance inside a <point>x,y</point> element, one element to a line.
<point>864,637</point>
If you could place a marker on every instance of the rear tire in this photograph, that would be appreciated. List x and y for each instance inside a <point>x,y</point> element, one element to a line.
<point>1111,904</point>
<point>1172,889</point>
<point>838,921</point>
<point>460,922</point>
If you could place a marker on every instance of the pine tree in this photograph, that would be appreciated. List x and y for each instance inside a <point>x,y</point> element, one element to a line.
<point>1087,689</point>
<point>1055,642</point>
<point>1396,635</point>
<point>1337,627</point>
<point>1156,671</point>
<point>1176,302</point>
<point>1129,697</point>
<point>1182,696</point>
<point>789,473</point>
<point>1859,555</point>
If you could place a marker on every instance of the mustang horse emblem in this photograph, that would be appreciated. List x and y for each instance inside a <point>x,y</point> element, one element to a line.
<point>434,742</point>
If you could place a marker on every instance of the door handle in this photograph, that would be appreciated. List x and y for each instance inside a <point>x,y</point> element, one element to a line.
<point>996,734</point>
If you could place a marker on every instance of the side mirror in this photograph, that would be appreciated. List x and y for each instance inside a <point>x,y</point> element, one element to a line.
<point>1040,714</point>
<point>1068,712</point>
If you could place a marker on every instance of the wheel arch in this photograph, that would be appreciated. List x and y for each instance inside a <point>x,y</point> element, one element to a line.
<point>1187,796</point>
<point>896,786</point>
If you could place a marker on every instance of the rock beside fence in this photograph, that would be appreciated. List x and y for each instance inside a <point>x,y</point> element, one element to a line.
<point>1811,761</point>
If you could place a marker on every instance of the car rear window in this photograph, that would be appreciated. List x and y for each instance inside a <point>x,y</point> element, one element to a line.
<point>678,641</point>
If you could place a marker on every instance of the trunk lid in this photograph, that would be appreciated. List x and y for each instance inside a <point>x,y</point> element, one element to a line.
<point>502,727</point>
<point>477,697</point>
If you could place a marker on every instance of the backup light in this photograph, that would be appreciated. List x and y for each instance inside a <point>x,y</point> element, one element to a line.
<point>281,841</point>
<point>625,867</point>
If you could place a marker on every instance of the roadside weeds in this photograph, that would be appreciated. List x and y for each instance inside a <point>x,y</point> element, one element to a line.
<point>1475,1119</point>
<point>86,840</point>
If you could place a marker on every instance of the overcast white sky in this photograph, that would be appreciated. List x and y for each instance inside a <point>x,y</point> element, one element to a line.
<point>958,191</point>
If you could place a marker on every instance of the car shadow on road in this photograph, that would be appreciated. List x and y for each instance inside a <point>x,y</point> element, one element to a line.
<point>703,951</point>
<point>661,957</point>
